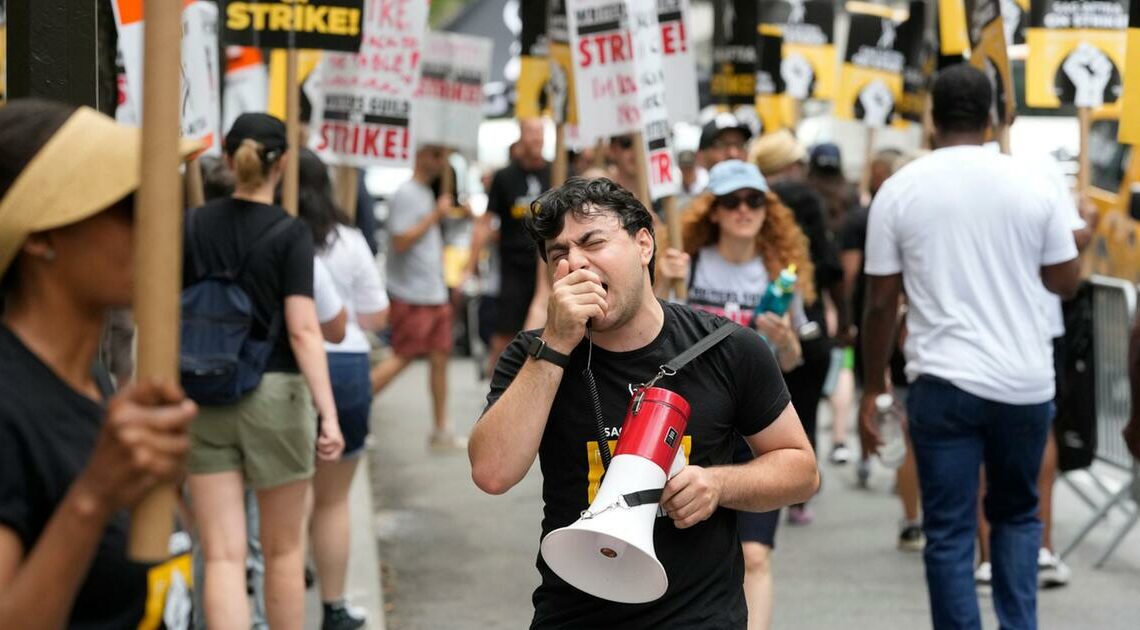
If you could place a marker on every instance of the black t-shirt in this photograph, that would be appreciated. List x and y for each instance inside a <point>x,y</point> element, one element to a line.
<point>225,230</point>
<point>512,191</point>
<point>854,238</point>
<point>810,214</point>
<point>734,388</point>
<point>47,434</point>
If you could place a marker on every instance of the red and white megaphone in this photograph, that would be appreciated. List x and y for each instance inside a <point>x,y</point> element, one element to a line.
<point>608,552</point>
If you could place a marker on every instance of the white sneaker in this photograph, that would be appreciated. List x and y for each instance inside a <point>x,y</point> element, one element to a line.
<point>1052,572</point>
<point>984,577</point>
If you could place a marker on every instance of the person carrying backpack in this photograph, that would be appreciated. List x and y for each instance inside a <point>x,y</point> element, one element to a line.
<point>252,376</point>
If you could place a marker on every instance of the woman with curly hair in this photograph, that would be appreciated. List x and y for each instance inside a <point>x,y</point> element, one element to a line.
<point>738,236</point>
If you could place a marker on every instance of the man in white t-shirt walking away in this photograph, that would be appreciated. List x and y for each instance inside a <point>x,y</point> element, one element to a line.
<point>420,312</point>
<point>972,235</point>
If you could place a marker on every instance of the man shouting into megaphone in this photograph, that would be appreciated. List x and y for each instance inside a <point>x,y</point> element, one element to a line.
<point>561,393</point>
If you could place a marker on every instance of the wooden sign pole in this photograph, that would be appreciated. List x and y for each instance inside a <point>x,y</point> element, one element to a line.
<point>158,247</point>
<point>642,192</point>
<point>291,183</point>
<point>561,166</point>
<point>1084,174</point>
<point>347,185</point>
<point>673,220</point>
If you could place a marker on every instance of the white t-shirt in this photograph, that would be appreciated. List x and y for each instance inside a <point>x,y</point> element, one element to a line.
<point>355,276</point>
<point>1050,171</point>
<point>970,229</point>
<point>324,293</point>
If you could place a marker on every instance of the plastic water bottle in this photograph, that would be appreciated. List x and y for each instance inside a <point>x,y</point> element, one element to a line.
<point>892,451</point>
<point>778,297</point>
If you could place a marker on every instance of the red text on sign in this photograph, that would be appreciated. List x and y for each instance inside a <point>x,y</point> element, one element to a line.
<point>662,168</point>
<point>364,140</point>
<point>605,48</point>
<point>673,38</point>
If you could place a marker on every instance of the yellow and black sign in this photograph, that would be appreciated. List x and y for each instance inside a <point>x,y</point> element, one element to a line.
<point>534,60</point>
<point>735,53</point>
<point>919,46</point>
<point>316,24</point>
<point>1076,52</point>
<point>808,59</point>
<point>1130,121</point>
<point>988,54</point>
<point>772,102</point>
<point>952,27</point>
<point>870,85</point>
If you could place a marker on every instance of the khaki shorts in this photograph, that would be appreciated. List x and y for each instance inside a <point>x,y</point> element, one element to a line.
<point>269,435</point>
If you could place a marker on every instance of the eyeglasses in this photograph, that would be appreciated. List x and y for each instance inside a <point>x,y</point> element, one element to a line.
<point>623,142</point>
<point>754,201</point>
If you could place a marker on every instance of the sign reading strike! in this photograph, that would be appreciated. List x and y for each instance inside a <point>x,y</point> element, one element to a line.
<point>871,81</point>
<point>651,90</point>
<point>1076,52</point>
<point>315,24</point>
<point>449,101</point>
<point>1130,123</point>
<point>605,80</point>
<point>679,60</point>
<point>362,103</point>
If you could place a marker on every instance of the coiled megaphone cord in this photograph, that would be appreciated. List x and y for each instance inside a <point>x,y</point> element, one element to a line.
<point>592,388</point>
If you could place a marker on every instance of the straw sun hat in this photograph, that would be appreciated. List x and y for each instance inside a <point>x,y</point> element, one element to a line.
<point>88,164</point>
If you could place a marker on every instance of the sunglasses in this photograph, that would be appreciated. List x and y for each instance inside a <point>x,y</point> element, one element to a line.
<point>754,201</point>
<point>623,142</point>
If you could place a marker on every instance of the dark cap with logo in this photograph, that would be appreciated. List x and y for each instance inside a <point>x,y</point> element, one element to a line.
<point>264,129</point>
<point>723,121</point>
<point>826,157</point>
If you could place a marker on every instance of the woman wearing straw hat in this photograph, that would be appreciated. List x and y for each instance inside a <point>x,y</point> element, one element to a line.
<point>738,236</point>
<point>73,456</point>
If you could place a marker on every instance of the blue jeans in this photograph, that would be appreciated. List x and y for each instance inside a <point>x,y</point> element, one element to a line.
<point>954,433</point>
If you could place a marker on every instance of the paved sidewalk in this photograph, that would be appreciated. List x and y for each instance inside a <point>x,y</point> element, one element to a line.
<point>456,558</point>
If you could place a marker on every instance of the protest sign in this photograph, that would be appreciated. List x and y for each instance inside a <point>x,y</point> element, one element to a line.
<point>534,61</point>
<point>734,52</point>
<point>362,103</point>
<point>1015,19</point>
<point>449,100</point>
<point>315,24</point>
<point>1076,52</point>
<point>604,72</point>
<point>657,135</point>
<point>201,98</point>
<point>247,84</point>
<point>952,28</point>
<point>771,104</point>
<point>560,89</point>
<point>988,53</point>
<point>870,84</point>
<point>808,63</point>
<point>918,45</point>
<point>1130,124</point>
<point>679,60</point>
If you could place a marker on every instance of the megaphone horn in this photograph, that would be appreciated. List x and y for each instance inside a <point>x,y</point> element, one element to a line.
<point>608,552</point>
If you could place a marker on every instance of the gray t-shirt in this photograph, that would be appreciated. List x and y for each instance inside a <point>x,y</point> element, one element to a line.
<point>415,276</point>
<point>733,290</point>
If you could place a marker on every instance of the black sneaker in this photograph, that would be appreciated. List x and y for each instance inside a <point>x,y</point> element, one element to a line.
<point>342,618</point>
<point>911,538</point>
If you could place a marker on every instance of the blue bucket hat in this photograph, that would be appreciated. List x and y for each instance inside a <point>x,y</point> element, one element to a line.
<point>732,175</point>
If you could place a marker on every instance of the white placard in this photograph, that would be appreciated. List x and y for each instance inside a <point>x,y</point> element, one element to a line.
<point>247,84</point>
<point>363,102</point>
<point>680,60</point>
<point>652,96</point>
<point>449,100</point>
<point>601,47</point>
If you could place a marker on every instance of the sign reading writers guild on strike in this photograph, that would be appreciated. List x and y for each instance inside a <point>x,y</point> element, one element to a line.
<point>316,24</point>
<point>871,82</point>
<point>449,100</point>
<point>734,52</point>
<point>1076,52</point>
<point>363,102</point>
<point>652,94</point>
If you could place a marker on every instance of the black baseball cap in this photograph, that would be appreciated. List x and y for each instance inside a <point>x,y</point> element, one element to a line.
<point>826,157</point>
<point>722,122</point>
<point>266,130</point>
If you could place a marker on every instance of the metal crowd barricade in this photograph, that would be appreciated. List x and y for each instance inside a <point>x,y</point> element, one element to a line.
<point>1114,307</point>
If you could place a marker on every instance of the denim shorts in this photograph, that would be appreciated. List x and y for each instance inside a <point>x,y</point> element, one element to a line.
<point>352,391</point>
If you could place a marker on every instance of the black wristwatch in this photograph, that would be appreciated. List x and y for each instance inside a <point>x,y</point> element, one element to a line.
<point>539,350</point>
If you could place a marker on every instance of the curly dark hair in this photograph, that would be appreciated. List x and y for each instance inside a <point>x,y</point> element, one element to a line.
<point>582,198</point>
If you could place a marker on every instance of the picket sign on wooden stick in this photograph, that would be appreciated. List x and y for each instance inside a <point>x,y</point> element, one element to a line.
<point>290,185</point>
<point>347,185</point>
<point>1084,175</point>
<point>1002,134</point>
<point>673,221</point>
<point>561,166</point>
<point>158,248</point>
<point>195,187</point>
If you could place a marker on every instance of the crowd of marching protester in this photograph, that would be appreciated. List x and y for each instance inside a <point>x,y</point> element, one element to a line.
<point>269,461</point>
